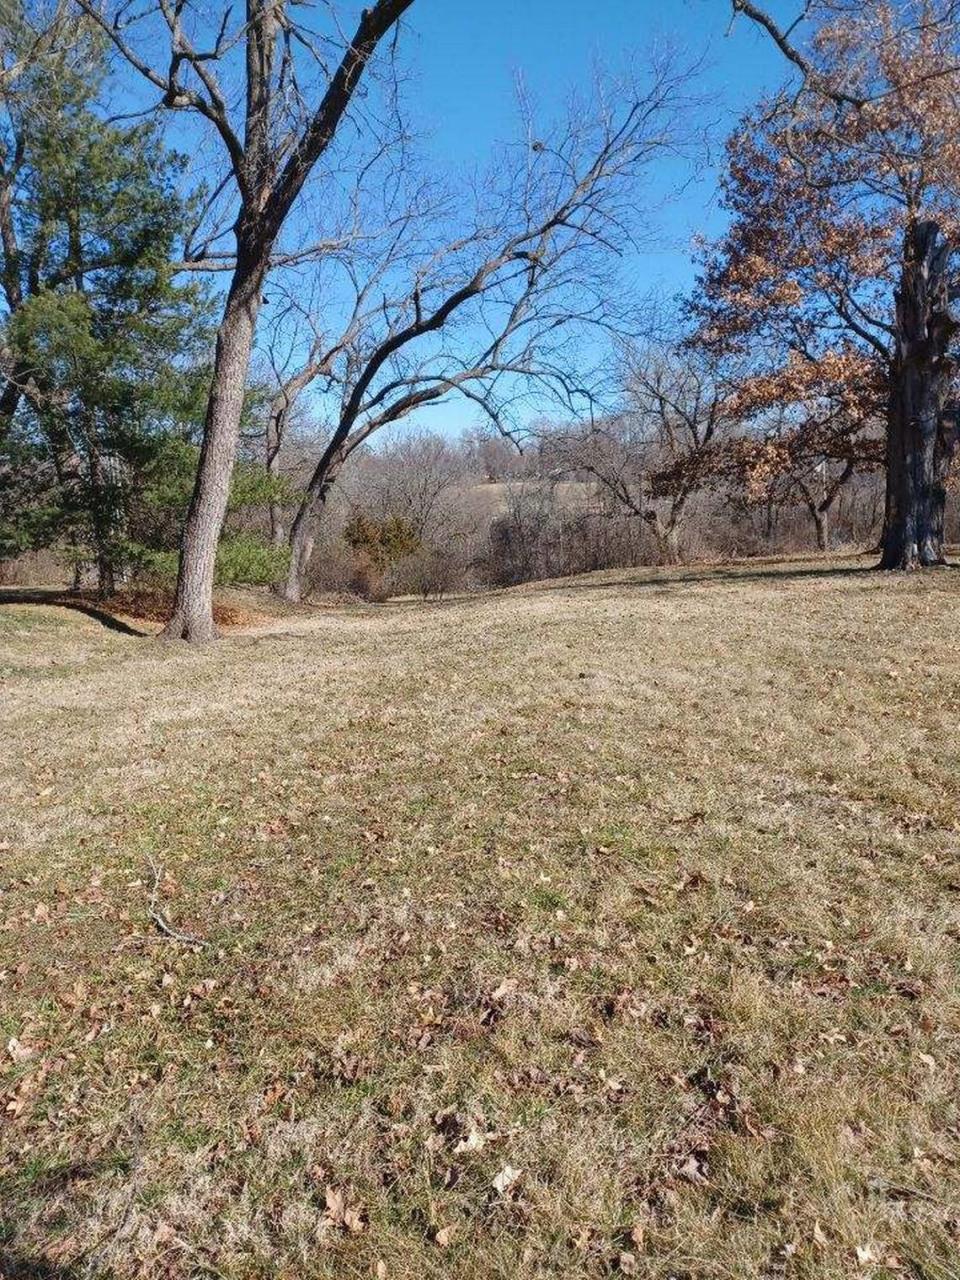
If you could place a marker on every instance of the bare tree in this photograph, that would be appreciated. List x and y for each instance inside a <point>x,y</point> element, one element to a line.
<point>282,131</point>
<point>507,310</point>
<point>648,460</point>
<point>415,478</point>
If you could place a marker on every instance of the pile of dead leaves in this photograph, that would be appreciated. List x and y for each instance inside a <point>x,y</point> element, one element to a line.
<point>154,604</point>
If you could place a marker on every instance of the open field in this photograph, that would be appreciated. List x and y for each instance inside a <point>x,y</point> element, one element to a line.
<point>600,927</point>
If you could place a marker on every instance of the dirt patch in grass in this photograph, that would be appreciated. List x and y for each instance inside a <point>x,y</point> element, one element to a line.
<point>602,928</point>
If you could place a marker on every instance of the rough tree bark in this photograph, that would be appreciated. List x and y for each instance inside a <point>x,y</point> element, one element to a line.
<point>821,523</point>
<point>270,160</point>
<point>666,533</point>
<point>921,431</point>
<point>192,616</point>
<point>303,531</point>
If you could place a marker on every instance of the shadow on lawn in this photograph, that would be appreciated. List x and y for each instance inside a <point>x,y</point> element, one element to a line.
<point>14,1266</point>
<point>63,600</point>
<point>667,579</point>
<point>39,1185</point>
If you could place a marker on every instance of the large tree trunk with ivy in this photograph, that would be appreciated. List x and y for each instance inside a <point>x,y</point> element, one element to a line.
<point>921,428</point>
<point>192,617</point>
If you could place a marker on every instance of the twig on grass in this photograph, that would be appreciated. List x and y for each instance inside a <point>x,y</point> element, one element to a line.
<point>160,919</point>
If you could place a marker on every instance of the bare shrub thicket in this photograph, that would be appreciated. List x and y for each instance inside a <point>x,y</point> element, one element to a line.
<point>477,512</point>
<point>482,513</point>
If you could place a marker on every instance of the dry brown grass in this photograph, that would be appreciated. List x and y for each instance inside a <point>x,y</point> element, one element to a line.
<point>643,888</point>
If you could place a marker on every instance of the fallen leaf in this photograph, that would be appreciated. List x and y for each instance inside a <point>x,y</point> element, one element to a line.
<point>692,1170</point>
<point>343,1214</point>
<point>18,1051</point>
<point>353,1220</point>
<point>474,1141</point>
<point>505,1179</point>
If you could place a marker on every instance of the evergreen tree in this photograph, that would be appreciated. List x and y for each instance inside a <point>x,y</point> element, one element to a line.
<point>100,340</point>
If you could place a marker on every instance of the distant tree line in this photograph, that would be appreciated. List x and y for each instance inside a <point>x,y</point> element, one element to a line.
<point>200,366</point>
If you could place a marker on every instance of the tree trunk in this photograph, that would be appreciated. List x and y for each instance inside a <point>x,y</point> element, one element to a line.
<point>9,401</point>
<point>106,515</point>
<point>301,551</point>
<point>106,580</point>
<point>821,523</point>
<point>192,617</point>
<point>304,528</point>
<point>302,537</point>
<point>921,434</point>
<point>671,545</point>
<point>274,436</point>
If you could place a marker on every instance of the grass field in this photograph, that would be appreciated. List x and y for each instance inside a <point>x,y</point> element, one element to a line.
<point>595,928</point>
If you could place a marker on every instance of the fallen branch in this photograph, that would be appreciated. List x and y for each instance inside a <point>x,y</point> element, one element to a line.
<point>159,918</point>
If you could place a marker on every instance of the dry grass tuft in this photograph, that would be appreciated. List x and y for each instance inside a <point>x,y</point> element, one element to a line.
<point>607,927</point>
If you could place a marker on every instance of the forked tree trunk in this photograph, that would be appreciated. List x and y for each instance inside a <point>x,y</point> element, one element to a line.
<point>302,536</point>
<point>304,529</point>
<point>821,523</point>
<point>192,617</point>
<point>921,433</point>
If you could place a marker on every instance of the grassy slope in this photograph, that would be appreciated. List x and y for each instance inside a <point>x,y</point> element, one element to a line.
<point>644,888</point>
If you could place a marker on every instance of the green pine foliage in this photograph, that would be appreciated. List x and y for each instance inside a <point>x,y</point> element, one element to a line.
<point>103,337</point>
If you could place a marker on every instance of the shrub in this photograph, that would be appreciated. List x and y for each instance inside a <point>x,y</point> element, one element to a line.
<point>245,558</point>
<point>430,571</point>
<point>242,559</point>
<point>384,541</point>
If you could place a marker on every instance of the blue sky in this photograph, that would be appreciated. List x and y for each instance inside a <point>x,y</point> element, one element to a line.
<point>461,61</point>
<point>465,58</point>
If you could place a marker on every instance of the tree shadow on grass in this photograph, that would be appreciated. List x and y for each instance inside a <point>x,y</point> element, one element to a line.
<point>63,600</point>
<point>670,578</point>
<point>665,580</point>
<point>39,1184</point>
<point>16,1266</point>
